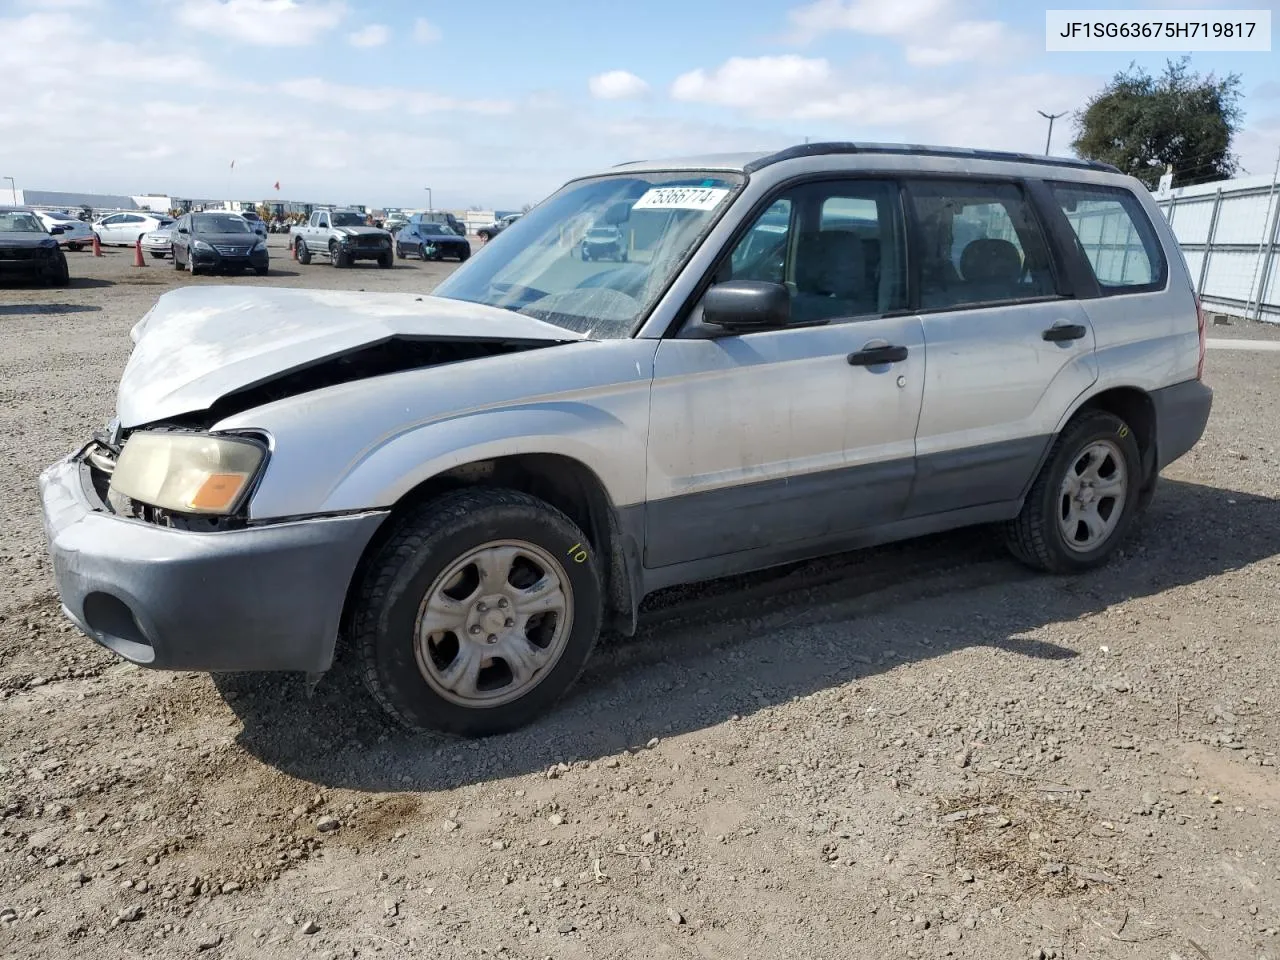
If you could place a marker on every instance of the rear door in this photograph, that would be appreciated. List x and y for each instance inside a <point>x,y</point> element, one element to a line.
<point>1009,349</point>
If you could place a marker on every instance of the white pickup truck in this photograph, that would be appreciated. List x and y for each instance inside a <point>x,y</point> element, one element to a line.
<point>341,235</point>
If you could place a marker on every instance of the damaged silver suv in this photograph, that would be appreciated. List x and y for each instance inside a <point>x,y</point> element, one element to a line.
<point>799,353</point>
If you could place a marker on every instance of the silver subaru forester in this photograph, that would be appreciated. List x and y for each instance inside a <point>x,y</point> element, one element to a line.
<point>836,345</point>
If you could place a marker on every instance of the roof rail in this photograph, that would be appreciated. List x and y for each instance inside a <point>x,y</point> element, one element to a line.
<point>920,150</point>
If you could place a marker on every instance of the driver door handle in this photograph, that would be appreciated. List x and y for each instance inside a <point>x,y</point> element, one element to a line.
<point>874,356</point>
<point>1065,331</point>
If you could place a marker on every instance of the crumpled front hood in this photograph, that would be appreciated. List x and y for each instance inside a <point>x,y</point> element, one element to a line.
<point>198,344</point>
<point>360,231</point>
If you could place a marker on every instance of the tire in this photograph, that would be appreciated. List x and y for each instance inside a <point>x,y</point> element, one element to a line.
<point>262,271</point>
<point>176,264</point>
<point>191,262</point>
<point>1037,536</point>
<point>400,252</point>
<point>304,252</point>
<point>336,259</point>
<point>464,255</point>
<point>586,257</point>
<point>419,557</point>
<point>61,275</point>
<point>622,257</point>
<point>156,255</point>
<point>386,261</point>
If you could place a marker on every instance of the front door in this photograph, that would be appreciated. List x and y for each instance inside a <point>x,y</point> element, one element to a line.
<point>766,441</point>
<point>1008,352</point>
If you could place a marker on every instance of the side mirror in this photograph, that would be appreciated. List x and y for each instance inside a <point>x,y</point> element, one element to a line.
<point>745,305</point>
<point>57,230</point>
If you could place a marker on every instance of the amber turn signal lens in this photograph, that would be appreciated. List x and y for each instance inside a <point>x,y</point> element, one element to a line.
<point>218,492</point>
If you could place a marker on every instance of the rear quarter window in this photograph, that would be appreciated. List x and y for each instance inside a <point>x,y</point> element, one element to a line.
<point>1115,236</point>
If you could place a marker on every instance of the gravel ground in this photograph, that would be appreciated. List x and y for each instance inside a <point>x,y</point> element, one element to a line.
<point>924,750</point>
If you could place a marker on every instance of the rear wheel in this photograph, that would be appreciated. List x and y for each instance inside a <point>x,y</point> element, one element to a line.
<point>478,612</point>
<point>1084,499</point>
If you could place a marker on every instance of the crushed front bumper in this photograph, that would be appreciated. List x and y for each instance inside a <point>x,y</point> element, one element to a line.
<point>257,598</point>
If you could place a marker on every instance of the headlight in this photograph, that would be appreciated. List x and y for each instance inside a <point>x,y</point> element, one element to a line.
<point>201,245</point>
<point>186,472</point>
<point>260,245</point>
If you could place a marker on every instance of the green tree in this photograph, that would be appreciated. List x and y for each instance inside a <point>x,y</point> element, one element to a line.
<point>1142,123</point>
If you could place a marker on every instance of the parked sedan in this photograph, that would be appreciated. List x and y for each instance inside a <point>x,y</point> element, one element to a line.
<point>28,248</point>
<point>218,241</point>
<point>125,229</point>
<point>431,241</point>
<point>604,243</point>
<point>159,242</point>
<point>76,234</point>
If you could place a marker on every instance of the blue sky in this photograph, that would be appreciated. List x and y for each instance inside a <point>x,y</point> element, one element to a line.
<point>495,103</point>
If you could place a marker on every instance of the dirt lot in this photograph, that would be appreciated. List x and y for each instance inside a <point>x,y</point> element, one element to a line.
<point>922,751</point>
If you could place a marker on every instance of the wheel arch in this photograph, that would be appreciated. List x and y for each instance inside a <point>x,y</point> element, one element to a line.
<point>562,481</point>
<point>1131,404</point>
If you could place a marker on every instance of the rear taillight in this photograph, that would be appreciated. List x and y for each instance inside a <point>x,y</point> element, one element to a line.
<point>1200,330</point>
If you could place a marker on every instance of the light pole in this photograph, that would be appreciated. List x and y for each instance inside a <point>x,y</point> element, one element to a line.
<point>1050,117</point>
<point>13,190</point>
<point>430,207</point>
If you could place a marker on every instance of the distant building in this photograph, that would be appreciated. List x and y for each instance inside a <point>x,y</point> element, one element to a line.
<point>74,201</point>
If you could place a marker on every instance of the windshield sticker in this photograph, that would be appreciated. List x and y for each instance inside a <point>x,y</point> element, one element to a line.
<point>681,198</point>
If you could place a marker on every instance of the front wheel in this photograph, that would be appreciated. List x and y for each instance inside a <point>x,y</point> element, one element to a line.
<point>478,612</point>
<point>463,255</point>
<point>262,271</point>
<point>400,251</point>
<point>60,275</point>
<point>336,257</point>
<point>304,252</point>
<point>1084,499</point>
<point>385,261</point>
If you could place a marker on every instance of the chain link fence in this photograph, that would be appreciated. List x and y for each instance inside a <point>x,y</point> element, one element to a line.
<point>1228,234</point>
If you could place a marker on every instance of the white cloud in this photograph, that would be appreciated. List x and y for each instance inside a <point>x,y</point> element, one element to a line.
<point>885,18</point>
<point>270,23</point>
<point>617,85</point>
<point>374,35</point>
<point>377,99</point>
<point>424,31</point>
<point>967,40</point>
<point>766,86</point>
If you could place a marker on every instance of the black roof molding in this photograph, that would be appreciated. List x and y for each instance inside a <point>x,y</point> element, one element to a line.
<point>918,150</point>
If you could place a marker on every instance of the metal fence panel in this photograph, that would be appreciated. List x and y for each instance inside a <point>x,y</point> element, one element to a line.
<point>1193,220</point>
<point>1228,235</point>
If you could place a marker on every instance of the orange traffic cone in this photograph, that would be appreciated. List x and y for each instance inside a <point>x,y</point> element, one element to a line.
<point>137,253</point>
<point>97,245</point>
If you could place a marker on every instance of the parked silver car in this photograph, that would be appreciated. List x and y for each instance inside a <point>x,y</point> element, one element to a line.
<point>159,242</point>
<point>808,351</point>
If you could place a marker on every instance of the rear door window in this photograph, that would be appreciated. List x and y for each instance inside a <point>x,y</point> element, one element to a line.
<point>978,243</point>
<point>1114,235</point>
